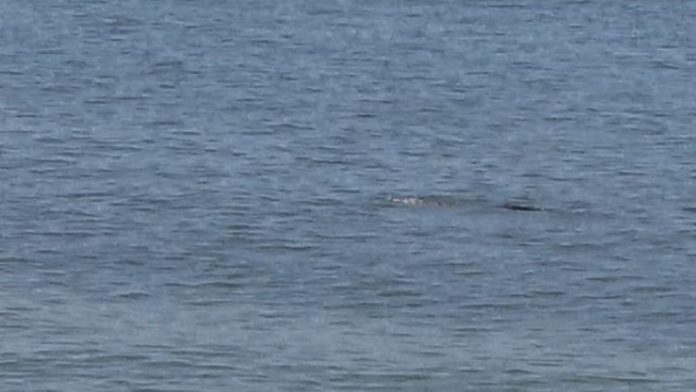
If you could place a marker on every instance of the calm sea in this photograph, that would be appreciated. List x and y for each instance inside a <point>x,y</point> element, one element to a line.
<point>347,195</point>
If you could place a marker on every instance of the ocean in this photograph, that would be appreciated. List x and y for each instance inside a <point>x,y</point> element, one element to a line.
<point>347,195</point>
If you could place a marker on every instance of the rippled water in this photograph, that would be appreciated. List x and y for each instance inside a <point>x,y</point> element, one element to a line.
<point>298,196</point>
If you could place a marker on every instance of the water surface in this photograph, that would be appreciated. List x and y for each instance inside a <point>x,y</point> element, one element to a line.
<point>201,196</point>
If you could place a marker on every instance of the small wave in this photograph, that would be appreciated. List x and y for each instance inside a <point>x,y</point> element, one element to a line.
<point>132,295</point>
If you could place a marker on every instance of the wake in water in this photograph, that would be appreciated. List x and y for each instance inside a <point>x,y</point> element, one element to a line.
<point>423,201</point>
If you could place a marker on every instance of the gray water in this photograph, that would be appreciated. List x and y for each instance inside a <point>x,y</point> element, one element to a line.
<point>311,195</point>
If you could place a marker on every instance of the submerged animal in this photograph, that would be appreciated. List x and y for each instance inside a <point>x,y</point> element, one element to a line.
<point>446,201</point>
<point>520,207</point>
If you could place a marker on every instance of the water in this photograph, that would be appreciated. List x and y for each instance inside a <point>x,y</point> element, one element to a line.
<point>210,196</point>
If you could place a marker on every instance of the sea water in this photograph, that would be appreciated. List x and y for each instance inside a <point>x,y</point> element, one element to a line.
<point>311,195</point>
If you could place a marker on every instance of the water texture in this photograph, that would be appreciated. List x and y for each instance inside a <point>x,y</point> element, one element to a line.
<point>314,195</point>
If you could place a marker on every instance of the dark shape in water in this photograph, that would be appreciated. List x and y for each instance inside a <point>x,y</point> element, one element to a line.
<point>519,207</point>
